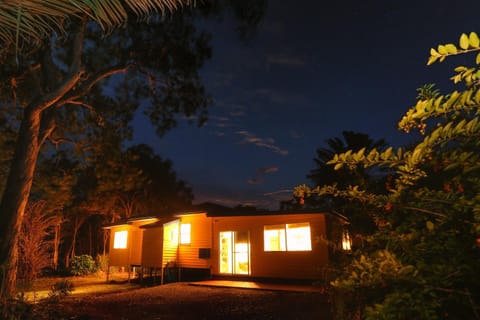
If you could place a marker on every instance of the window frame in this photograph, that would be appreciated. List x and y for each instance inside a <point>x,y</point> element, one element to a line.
<point>185,238</point>
<point>284,237</point>
<point>120,241</point>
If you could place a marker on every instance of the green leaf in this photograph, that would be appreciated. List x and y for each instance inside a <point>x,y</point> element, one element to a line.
<point>474,40</point>
<point>451,48</point>
<point>457,78</point>
<point>442,50</point>
<point>464,42</point>
<point>430,226</point>
<point>431,60</point>
<point>477,96</point>
<point>434,52</point>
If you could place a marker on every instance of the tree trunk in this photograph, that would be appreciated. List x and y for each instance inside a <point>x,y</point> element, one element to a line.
<point>15,197</point>
<point>106,237</point>
<point>56,246</point>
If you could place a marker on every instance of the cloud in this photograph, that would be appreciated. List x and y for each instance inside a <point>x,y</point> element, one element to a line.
<point>285,60</point>
<point>295,134</point>
<point>237,113</point>
<point>219,118</point>
<point>261,172</point>
<point>267,143</point>
<point>219,79</point>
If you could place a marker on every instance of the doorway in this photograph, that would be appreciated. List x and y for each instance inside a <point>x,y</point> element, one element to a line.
<point>235,252</point>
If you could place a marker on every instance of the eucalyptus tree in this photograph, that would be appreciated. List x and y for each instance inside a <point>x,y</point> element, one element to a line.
<point>78,76</point>
<point>164,192</point>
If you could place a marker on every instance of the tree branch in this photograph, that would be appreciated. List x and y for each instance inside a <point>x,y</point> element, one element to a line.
<point>93,80</point>
<point>47,125</point>
<point>433,213</point>
<point>73,76</point>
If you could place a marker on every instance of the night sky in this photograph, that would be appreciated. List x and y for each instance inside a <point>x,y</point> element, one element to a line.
<point>312,70</point>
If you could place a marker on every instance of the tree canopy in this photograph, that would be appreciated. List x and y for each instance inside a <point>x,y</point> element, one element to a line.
<point>78,85</point>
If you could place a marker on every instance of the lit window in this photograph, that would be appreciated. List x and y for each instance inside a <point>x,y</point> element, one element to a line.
<point>287,237</point>
<point>274,238</point>
<point>120,240</point>
<point>298,237</point>
<point>185,233</point>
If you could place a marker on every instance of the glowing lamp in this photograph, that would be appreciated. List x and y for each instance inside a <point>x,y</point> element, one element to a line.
<point>346,240</point>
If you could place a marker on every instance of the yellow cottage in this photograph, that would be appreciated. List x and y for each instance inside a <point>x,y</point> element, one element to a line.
<point>258,245</point>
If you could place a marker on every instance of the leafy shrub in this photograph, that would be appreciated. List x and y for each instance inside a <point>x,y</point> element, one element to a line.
<point>102,262</point>
<point>82,265</point>
<point>61,288</point>
<point>422,261</point>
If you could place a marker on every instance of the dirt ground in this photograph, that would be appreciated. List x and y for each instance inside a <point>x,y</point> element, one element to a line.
<point>184,301</point>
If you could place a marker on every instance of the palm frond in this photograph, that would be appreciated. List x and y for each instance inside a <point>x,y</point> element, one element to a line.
<point>30,21</point>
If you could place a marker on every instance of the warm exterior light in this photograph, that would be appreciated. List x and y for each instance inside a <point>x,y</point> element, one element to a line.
<point>120,240</point>
<point>346,240</point>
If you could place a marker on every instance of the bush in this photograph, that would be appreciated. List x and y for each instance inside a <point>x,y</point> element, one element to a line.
<point>102,262</point>
<point>82,265</point>
<point>60,289</point>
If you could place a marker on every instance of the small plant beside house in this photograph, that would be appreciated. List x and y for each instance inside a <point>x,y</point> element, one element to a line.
<point>83,265</point>
<point>60,289</point>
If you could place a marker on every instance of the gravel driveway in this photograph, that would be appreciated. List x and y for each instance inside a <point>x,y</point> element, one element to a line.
<point>183,301</point>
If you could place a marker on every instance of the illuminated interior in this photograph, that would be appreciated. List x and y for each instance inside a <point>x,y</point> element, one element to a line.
<point>185,233</point>
<point>120,240</point>
<point>234,252</point>
<point>346,241</point>
<point>287,237</point>
<point>170,233</point>
<point>274,238</point>
<point>298,237</point>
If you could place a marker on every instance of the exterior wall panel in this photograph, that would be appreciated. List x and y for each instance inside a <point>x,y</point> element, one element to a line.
<point>119,257</point>
<point>170,242</point>
<point>201,237</point>
<point>278,264</point>
<point>152,248</point>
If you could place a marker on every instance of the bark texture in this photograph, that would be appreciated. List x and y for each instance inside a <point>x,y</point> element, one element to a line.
<point>35,127</point>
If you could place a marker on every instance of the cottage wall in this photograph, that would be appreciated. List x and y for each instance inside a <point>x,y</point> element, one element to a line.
<point>152,248</point>
<point>170,242</point>
<point>201,237</point>
<point>278,264</point>
<point>119,257</point>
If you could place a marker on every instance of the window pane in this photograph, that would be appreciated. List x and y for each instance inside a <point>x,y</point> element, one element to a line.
<point>274,238</point>
<point>185,233</point>
<point>298,237</point>
<point>226,256</point>
<point>120,240</point>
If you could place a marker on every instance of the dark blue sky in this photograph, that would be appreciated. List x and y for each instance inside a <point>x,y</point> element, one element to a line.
<point>313,69</point>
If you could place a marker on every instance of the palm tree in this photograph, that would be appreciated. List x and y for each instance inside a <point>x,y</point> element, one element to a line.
<point>27,23</point>
<point>325,174</point>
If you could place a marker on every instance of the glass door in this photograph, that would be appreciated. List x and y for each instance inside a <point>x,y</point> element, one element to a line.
<point>235,252</point>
